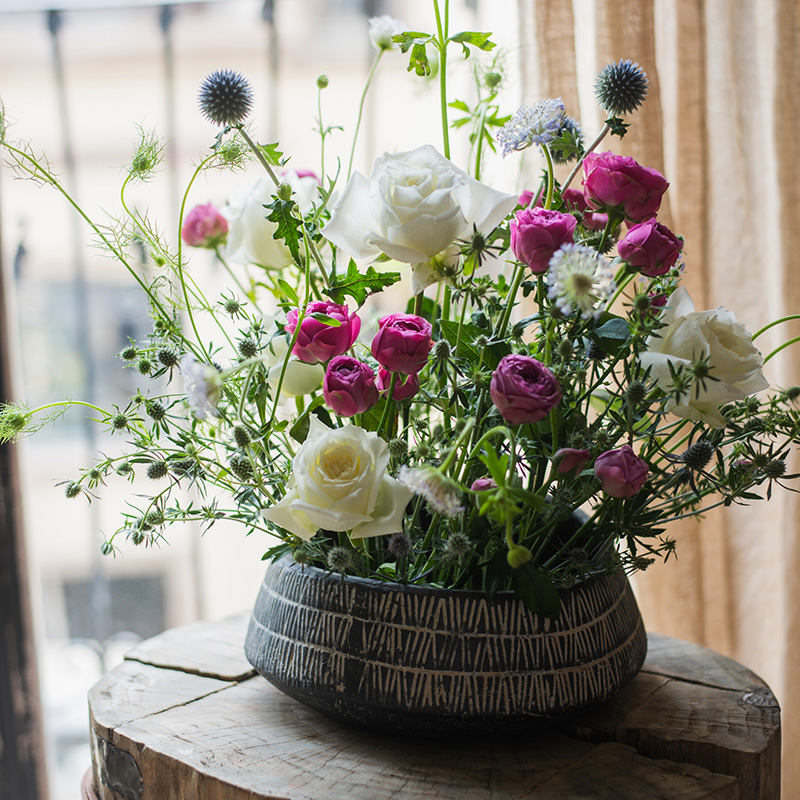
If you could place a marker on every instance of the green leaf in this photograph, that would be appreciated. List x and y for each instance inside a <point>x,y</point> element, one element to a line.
<point>536,590</point>
<point>617,126</point>
<point>272,154</point>
<point>288,224</point>
<point>612,335</point>
<point>359,285</point>
<point>496,573</point>
<point>371,418</point>
<point>325,319</point>
<point>288,292</point>
<point>418,61</point>
<point>475,38</point>
<point>299,431</point>
<point>460,105</point>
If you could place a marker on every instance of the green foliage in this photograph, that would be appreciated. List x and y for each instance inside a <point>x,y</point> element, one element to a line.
<point>474,38</point>
<point>360,285</point>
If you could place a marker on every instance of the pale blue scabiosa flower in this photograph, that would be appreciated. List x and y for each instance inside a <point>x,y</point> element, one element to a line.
<point>203,386</point>
<point>536,124</point>
<point>442,493</point>
<point>580,280</point>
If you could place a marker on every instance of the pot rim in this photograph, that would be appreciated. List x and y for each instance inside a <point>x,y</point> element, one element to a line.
<point>286,562</point>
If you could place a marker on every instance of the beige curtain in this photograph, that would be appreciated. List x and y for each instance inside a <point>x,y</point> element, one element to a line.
<point>722,121</point>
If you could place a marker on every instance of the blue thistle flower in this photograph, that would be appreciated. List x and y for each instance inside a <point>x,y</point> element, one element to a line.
<point>621,87</point>
<point>225,97</point>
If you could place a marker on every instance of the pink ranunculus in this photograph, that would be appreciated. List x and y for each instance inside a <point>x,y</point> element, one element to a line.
<point>349,386</point>
<point>526,199</point>
<point>621,472</point>
<point>318,340</point>
<point>402,343</point>
<point>523,389</point>
<point>570,461</point>
<point>536,233</point>
<point>204,226</point>
<point>405,387</point>
<point>620,184</point>
<point>651,248</point>
<point>483,485</point>
<point>574,200</point>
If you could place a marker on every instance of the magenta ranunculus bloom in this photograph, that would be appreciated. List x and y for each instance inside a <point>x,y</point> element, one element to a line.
<point>483,485</point>
<point>536,233</point>
<point>204,226</point>
<point>402,343</point>
<point>349,386</point>
<point>523,389</point>
<point>526,198</point>
<point>621,472</point>
<point>570,461</point>
<point>405,387</point>
<point>318,341</point>
<point>618,183</point>
<point>574,200</point>
<point>650,247</point>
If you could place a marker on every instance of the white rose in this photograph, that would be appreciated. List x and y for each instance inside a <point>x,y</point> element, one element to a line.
<point>715,335</point>
<point>414,205</point>
<point>250,233</point>
<point>339,482</point>
<point>299,379</point>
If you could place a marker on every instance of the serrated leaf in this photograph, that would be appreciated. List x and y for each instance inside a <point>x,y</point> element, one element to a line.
<point>288,225</point>
<point>617,126</point>
<point>418,61</point>
<point>460,105</point>
<point>359,285</point>
<point>272,154</point>
<point>536,590</point>
<point>475,38</point>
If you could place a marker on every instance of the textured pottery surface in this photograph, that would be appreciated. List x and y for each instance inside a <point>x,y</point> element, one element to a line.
<point>427,661</point>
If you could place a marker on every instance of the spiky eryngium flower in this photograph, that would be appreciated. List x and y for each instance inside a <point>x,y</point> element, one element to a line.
<point>621,87</point>
<point>697,455</point>
<point>536,124</point>
<point>225,97</point>
<point>14,422</point>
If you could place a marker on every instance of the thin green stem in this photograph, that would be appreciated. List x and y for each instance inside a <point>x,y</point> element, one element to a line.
<point>782,347</point>
<point>519,272</point>
<point>774,323</point>
<point>371,75</point>
<point>443,33</point>
<point>599,138</point>
<point>548,201</point>
<point>258,154</point>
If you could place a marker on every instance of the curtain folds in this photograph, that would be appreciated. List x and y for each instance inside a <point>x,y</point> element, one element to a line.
<point>722,122</point>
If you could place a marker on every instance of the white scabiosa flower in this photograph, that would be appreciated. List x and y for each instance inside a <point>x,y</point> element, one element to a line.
<point>536,124</point>
<point>203,386</point>
<point>442,494</point>
<point>580,280</point>
<point>382,29</point>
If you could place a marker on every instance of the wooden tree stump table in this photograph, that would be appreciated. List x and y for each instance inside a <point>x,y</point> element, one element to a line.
<point>186,718</point>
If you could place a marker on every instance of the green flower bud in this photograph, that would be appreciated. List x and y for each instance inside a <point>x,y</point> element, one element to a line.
<point>518,556</point>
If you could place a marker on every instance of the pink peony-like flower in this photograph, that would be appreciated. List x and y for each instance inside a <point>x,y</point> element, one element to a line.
<point>402,343</point>
<point>570,461</point>
<point>349,386</point>
<point>574,200</point>
<point>318,340</point>
<point>619,183</point>
<point>621,472</point>
<point>405,387</point>
<point>204,226</point>
<point>523,389</point>
<point>651,248</point>
<point>483,485</point>
<point>536,233</point>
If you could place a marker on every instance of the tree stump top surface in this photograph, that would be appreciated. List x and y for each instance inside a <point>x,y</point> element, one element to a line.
<point>185,716</point>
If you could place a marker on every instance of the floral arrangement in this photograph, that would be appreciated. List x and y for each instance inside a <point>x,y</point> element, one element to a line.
<point>547,358</point>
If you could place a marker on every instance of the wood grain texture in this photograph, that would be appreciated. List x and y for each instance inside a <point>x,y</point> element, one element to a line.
<point>173,735</point>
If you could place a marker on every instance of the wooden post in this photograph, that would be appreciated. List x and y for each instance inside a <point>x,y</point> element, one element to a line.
<point>22,775</point>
